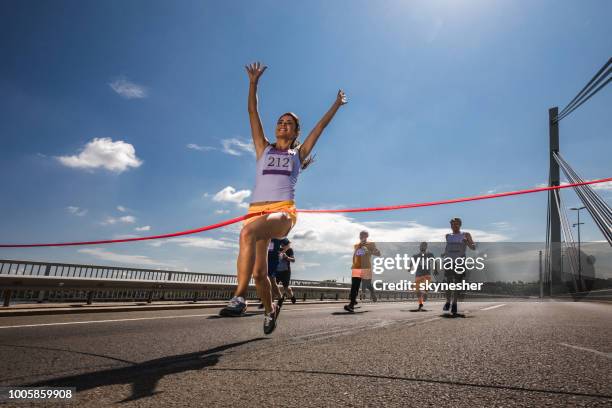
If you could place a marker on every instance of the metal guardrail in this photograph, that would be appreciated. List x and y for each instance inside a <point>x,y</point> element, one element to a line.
<point>592,295</point>
<point>32,268</point>
<point>29,281</point>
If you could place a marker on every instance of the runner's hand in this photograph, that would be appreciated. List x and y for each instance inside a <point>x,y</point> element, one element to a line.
<point>255,70</point>
<point>341,98</point>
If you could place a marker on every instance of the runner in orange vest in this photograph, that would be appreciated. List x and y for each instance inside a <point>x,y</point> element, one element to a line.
<point>362,266</point>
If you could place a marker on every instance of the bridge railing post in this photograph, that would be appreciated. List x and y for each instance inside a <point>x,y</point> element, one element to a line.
<point>7,297</point>
<point>43,293</point>
<point>541,280</point>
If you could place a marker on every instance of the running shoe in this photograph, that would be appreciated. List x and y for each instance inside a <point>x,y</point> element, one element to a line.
<point>236,307</point>
<point>293,299</point>
<point>454,308</point>
<point>349,308</point>
<point>280,301</point>
<point>446,307</point>
<point>270,320</point>
<point>420,307</point>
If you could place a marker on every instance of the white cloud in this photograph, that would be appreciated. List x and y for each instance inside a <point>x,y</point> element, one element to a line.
<point>230,195</point>
<point>125,236</point>
<point>232,146</point>
<point>542,185</point>
<point>304,266</point>
<point>198,242</point>
<point>194,146</point>
<point>206,242</point>
<point>501,225</point>
<point>499,188</point>
<point>127,89</point>
<point>103,152</point>
<point>140,260</point>
<point>236,147</point>
<point>144,228</point>
<point>76,210</point>
<point>336,233</point>
<point>606,186</point>
<point>221,211</point>
<point>109,221</point>
<point>127,219</point>
<point>121,208</point>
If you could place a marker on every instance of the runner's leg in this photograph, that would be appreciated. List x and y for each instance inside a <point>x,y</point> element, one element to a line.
<point>355,283</point>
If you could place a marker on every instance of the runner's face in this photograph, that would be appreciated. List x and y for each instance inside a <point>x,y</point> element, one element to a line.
<point>455,226</point>
<point>285,128</point>
<point>363,237</point>
<point>423,247</point>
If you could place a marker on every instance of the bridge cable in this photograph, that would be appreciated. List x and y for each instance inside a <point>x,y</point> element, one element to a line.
<point>574,177</point>
<point>586,99</point>
<point>599,210</point>
<point>579,98</point>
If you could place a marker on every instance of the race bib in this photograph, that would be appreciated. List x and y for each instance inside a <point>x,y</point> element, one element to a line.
<point>278,162</point>
<point>360,252</point>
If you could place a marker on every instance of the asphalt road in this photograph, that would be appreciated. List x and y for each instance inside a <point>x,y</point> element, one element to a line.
<point>500,354</point>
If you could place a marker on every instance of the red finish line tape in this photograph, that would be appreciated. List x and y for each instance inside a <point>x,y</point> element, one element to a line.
<point>346,210</point>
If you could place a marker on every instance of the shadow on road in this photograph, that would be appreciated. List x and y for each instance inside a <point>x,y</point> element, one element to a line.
<point>412,379</point>
<point>247,314</point>
<point>349,313</point>
<point>68,351</point>
<point>455,316</point>
<point>143,376</point>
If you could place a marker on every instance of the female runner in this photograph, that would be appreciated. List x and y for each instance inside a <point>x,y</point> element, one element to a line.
<point>272,211</point>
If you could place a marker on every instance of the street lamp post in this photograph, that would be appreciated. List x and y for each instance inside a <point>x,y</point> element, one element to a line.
<point>579,256</point>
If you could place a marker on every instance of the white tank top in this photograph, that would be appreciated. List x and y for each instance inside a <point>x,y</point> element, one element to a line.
<point>277,172</point>
<point>455,246</point>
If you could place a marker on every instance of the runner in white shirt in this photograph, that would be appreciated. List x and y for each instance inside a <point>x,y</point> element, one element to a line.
<point>456,244</point>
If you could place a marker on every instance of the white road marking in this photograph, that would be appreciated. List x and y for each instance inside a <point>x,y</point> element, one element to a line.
<point>105,321</point>
<point>148,318</point>
<point>493,307</point>
<point>350,330</point>
<point>179,316</point>
<point>600,353</point>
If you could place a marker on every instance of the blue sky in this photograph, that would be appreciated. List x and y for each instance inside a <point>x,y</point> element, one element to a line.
<point>129,118</point>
